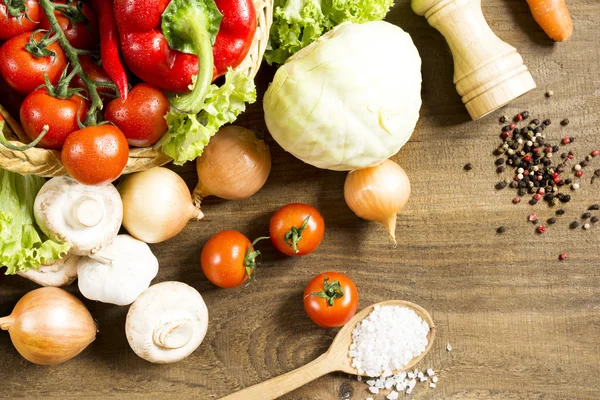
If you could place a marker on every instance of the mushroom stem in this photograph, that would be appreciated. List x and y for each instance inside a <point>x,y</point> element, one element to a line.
<point>6,323</point>
<point>174,334</point>
<point>88,211</point>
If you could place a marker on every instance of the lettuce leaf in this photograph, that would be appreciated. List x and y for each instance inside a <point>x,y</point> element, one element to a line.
<point>188,134</point>
<point>298,23</point>
<point>22,245</point>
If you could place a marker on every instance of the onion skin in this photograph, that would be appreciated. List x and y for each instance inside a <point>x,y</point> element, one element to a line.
<point>378,193</point>
<point>49,326</point>
<point>157,204</point>
<point>234,166</point>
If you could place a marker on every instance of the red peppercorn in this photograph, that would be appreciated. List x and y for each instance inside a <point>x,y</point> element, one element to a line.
<point>579,174</point>
<point>516,200</point>
<point>570,156</point>
<point>505,135</point>
<point>595,153</point>
<point>512,126</point>
<point>563,256</point>
<point>536,150</point>
<point>548,149</point>
<point>540,177</point>
<point>541,229</point>
<point>542,190</point>
<point>518,117</point>
<point>537,196</point>
<point>527,158</point>
<point>555,175</point>
<point>533,217</point>
<point>566,140</point>
<point>557,179</point>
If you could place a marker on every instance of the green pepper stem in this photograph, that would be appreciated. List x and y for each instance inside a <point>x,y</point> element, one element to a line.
<point>72,55</point>
<point>193,101</point>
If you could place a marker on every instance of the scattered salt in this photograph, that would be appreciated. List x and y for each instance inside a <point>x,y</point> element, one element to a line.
<point>373,390</point>
<point>432,385</point>
<point>448,347</point>
<point>430,372</point>
<point>434,379</point>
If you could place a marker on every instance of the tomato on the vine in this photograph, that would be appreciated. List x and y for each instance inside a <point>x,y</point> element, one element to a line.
<point>23,71</point>
<point>82,33</point>
<point>228,259</point>
<point>142,116</point>
<point>296,229</point>
<point>331,299</point>
<point>96,73</point>
<point>11,25</point>
<point>95,155</point>
<point>60,115</point>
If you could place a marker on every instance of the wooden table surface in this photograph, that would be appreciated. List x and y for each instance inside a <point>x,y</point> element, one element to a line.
<point>522,324</point>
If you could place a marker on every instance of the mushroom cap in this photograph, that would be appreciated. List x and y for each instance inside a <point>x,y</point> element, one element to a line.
<point>61,273</point>
<point>167,322</point>
<point>86,217</point>
<point>120,272</point>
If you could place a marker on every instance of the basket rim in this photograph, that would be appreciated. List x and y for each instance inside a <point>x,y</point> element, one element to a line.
<point>46,162</point>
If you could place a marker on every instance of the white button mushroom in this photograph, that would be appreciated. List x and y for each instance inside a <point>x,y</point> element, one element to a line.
<point>167,322</point>
<point>61,273</point>
<point>119,273</point>
<point>86,217</point>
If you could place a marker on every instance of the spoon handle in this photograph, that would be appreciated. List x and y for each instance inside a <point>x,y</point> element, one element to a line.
<point>277,387</point>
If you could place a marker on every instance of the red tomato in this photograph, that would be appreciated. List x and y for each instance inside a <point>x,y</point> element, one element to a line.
<point>95,155</point>
<point>142,116</point>
<point>40,108</point>
<point>330,299</point>
<point>24,72</point>
<point>296,229</point>
<point>228,259</point>
<point>83,35</point>
<point>13,26</point>
<point>95,72</point>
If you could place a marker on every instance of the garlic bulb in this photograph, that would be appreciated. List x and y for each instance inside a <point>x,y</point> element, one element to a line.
<point>167,322</point>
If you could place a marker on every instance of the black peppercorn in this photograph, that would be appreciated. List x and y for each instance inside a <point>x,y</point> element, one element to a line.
<point>547,122</point>
<point>551,221</point>
<point>574,225</point>
<point>533,202</point>
<point>468,167</point>
<point>560,212</point>
<point>586,215</point>
<point>503,119</point>
<point>595,219</point>
<point>564,122</point>
<point>501,230</point>
<point>500,169</point>
<point>500,185</point>
<point>594,207</point>
<point>499,161</point>
<point>525,114</point>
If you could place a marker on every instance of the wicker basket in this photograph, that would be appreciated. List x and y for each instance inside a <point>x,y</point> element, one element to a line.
<point>47,163</point>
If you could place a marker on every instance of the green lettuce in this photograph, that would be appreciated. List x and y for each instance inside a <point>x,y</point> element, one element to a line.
<point>298,23</point>
<point>188,134</point>
<point>22,244</point>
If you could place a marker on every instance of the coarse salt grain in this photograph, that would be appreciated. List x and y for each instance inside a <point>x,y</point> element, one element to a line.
<point>430,372</point>
<point>388,339</point>
<point>392,396</point>
<point>448,347</point>
<point>432,385</point>
<point>374,390</point>
<point>435,379</point>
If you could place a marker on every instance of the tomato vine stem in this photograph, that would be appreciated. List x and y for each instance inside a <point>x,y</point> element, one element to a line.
<point>73,56</point>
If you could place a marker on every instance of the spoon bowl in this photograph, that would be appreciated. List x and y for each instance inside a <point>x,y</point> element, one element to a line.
<point>336,358</point>
<point>339,349</point>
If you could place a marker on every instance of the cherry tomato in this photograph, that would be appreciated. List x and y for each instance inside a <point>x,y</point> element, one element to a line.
<point>82,35</point>
<point>95,72</point>
<point>40,108</point>
<point>228,259</point>
<point>95,155</point>
<point>24,72</point>
<point>13,26</point>
<point>296,229</point>
<point>142,116</point>
<point>330,299</point>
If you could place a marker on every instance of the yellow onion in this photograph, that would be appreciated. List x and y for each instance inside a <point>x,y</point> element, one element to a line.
<point>157,204</point>
<point>234,165</point>
<point>378,193</point>
<point>49,326</point>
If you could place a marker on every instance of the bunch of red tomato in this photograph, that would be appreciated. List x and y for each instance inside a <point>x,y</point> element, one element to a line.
<point>228,260</point>
<point>30,56</point>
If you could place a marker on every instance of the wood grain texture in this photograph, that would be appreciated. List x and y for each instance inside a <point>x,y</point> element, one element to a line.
<point>522,324</point>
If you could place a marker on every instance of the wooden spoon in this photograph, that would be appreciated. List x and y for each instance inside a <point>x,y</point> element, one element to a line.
<point>335,359</point>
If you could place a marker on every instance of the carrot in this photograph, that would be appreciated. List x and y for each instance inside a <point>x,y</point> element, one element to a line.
<point>554,18</point>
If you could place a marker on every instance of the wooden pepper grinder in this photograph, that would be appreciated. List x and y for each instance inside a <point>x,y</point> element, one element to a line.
<point>488,73</point>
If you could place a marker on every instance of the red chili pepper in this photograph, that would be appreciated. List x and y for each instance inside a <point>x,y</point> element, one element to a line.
<point>109,45</point>
<point>157,45</point>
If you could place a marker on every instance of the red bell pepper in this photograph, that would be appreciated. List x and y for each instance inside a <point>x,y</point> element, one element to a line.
<point>168,42</point>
